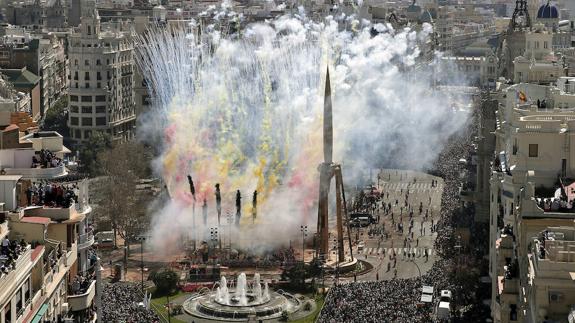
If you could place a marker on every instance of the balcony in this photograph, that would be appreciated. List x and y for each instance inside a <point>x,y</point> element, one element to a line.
<point>38,173</point>
<point>83,300</point>
<point>23,265</point>
<point>54,213</point>
<point>86,240</point>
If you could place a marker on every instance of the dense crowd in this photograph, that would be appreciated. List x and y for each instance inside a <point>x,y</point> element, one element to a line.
<point>45,159</point>
<point>456,270</point>
<point>120,305</point>
<point>9,253</point>
<point>52,195</point>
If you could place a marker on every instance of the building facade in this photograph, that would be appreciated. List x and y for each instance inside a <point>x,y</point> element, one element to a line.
<point>101,80</point>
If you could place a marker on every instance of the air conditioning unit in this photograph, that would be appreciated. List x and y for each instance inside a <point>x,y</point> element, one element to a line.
<point>555,297</point>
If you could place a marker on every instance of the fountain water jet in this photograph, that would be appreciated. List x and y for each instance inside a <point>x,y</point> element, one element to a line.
<point>245,302</point>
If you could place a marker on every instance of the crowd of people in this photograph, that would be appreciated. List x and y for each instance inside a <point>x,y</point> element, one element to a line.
<point>398,300</point>
<point>556,205</point>
<point>52,194</point>
<point>81,283</point>
<point>9,253</point>
<point>45,159</point>
<point>120,304</point>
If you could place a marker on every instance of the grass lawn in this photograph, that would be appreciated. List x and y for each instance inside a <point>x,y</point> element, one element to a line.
<point>160,302</point>
<point>313,316</point>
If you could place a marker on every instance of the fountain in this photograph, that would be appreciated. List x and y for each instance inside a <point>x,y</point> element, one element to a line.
<point>242,300</point>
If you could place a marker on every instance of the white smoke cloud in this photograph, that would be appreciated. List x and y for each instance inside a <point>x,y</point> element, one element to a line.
<point>246,113</point>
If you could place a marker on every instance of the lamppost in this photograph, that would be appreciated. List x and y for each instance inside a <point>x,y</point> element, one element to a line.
<point>303,235</point>
<point>336,261</point>
<point>214,236</point>
<point>142,239</point>
<point>230,220</point>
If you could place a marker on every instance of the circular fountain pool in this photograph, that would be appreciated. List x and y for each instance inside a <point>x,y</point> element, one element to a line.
<point>241,301</point>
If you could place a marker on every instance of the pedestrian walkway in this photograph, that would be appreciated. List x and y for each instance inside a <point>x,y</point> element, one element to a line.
<point>398,251</point>
<point>417,187</point>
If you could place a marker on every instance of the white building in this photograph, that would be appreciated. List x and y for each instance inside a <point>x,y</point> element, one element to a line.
<point>101,80</point>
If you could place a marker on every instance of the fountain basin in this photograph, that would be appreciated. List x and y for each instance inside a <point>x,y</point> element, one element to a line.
<point>241,303</point>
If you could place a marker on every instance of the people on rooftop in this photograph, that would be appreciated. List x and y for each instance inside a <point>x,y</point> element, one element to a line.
<point>45,159</point>
<point>51,195</point>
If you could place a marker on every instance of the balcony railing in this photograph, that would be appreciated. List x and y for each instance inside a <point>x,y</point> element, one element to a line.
<point>22,264</point>
<point>38,173</point>
<point>86,240</point>
<point>84,300</point>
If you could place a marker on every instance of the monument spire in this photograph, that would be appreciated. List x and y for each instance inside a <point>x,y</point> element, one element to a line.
<point>327,122</point>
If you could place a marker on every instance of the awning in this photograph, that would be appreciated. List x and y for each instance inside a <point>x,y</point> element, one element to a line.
<point>41,311</point>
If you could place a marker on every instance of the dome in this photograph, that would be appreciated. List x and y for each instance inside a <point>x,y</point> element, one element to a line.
<point>547,11</point>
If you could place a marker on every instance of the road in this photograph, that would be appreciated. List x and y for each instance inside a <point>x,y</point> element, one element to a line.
<point>396,185</point>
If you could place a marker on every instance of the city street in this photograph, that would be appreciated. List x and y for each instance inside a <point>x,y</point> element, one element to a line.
<point>378,249</point>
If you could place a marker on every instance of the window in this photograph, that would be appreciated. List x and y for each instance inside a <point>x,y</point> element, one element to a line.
<point>100,98</point>
<point>74,98</point>
<point>86,121</point>
<point>545,45</point>
<point>101,109</point>
<point>533,150</point>
<point>86,109</point>
<point>86,98</point>
<point>87,76</point>
<point>74,121</point>
<point>99,85</point>
<point>98,76</point>
<point>101,121</point>
<point>87,85</point>
<point>78,134</point>
<point>74,108</point>
<point>76,76</point>
<point>87,134</point>
<point>98,62</point>
<point>18,302</point>
<point>76,62</point>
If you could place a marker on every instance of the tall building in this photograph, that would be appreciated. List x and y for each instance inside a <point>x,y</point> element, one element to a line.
<point>48,269</point>
<point>43,57</point>
<point>531,203</point>
<point>101,80</point>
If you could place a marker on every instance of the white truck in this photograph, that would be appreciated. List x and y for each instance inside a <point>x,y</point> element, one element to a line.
<point>443,311</point>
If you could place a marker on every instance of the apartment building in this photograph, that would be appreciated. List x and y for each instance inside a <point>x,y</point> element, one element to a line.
<point>42,56</point>
<point>101,80</point>
<point>530,194</point>
<point>48,270</point>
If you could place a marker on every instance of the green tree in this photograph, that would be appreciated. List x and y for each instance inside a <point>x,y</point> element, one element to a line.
<point>89,152</point>
<point>56,118</point>
<point>122,167</point>
<point>166,281</point>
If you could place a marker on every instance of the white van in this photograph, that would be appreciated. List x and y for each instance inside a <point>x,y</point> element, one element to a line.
<point>104,239</point>
<point>444,307</point>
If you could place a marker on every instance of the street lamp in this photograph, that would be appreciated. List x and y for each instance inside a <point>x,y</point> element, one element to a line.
<point>303,235</point>
<point>142,239</point>
<point>214,236</point>
<point>336,261</point>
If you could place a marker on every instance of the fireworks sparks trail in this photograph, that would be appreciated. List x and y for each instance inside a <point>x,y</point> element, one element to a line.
<point>245,111</point>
